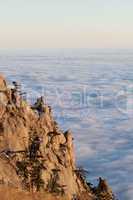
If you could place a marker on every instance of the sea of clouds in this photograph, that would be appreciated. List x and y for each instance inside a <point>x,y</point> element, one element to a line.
<point>91,92</point>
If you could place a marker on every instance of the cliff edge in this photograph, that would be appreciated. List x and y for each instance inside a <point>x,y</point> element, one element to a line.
<point>36,155</point>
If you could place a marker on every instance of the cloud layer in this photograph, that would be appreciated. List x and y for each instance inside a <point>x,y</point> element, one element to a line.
<point>91,93</point>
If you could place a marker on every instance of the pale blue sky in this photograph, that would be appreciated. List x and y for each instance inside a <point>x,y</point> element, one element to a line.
<point>66,23</point>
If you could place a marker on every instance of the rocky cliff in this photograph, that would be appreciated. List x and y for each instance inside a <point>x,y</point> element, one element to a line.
<point>35,155</point>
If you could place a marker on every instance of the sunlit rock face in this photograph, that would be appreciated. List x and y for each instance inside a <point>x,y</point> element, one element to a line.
<point>3,90</point>
<point>35,154</point>
<point>3,84</point>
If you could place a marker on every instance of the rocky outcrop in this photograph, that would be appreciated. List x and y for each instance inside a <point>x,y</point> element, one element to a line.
<point>35,154</point>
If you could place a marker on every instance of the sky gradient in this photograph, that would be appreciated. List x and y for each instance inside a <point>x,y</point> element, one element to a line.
<point>66,24</point>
